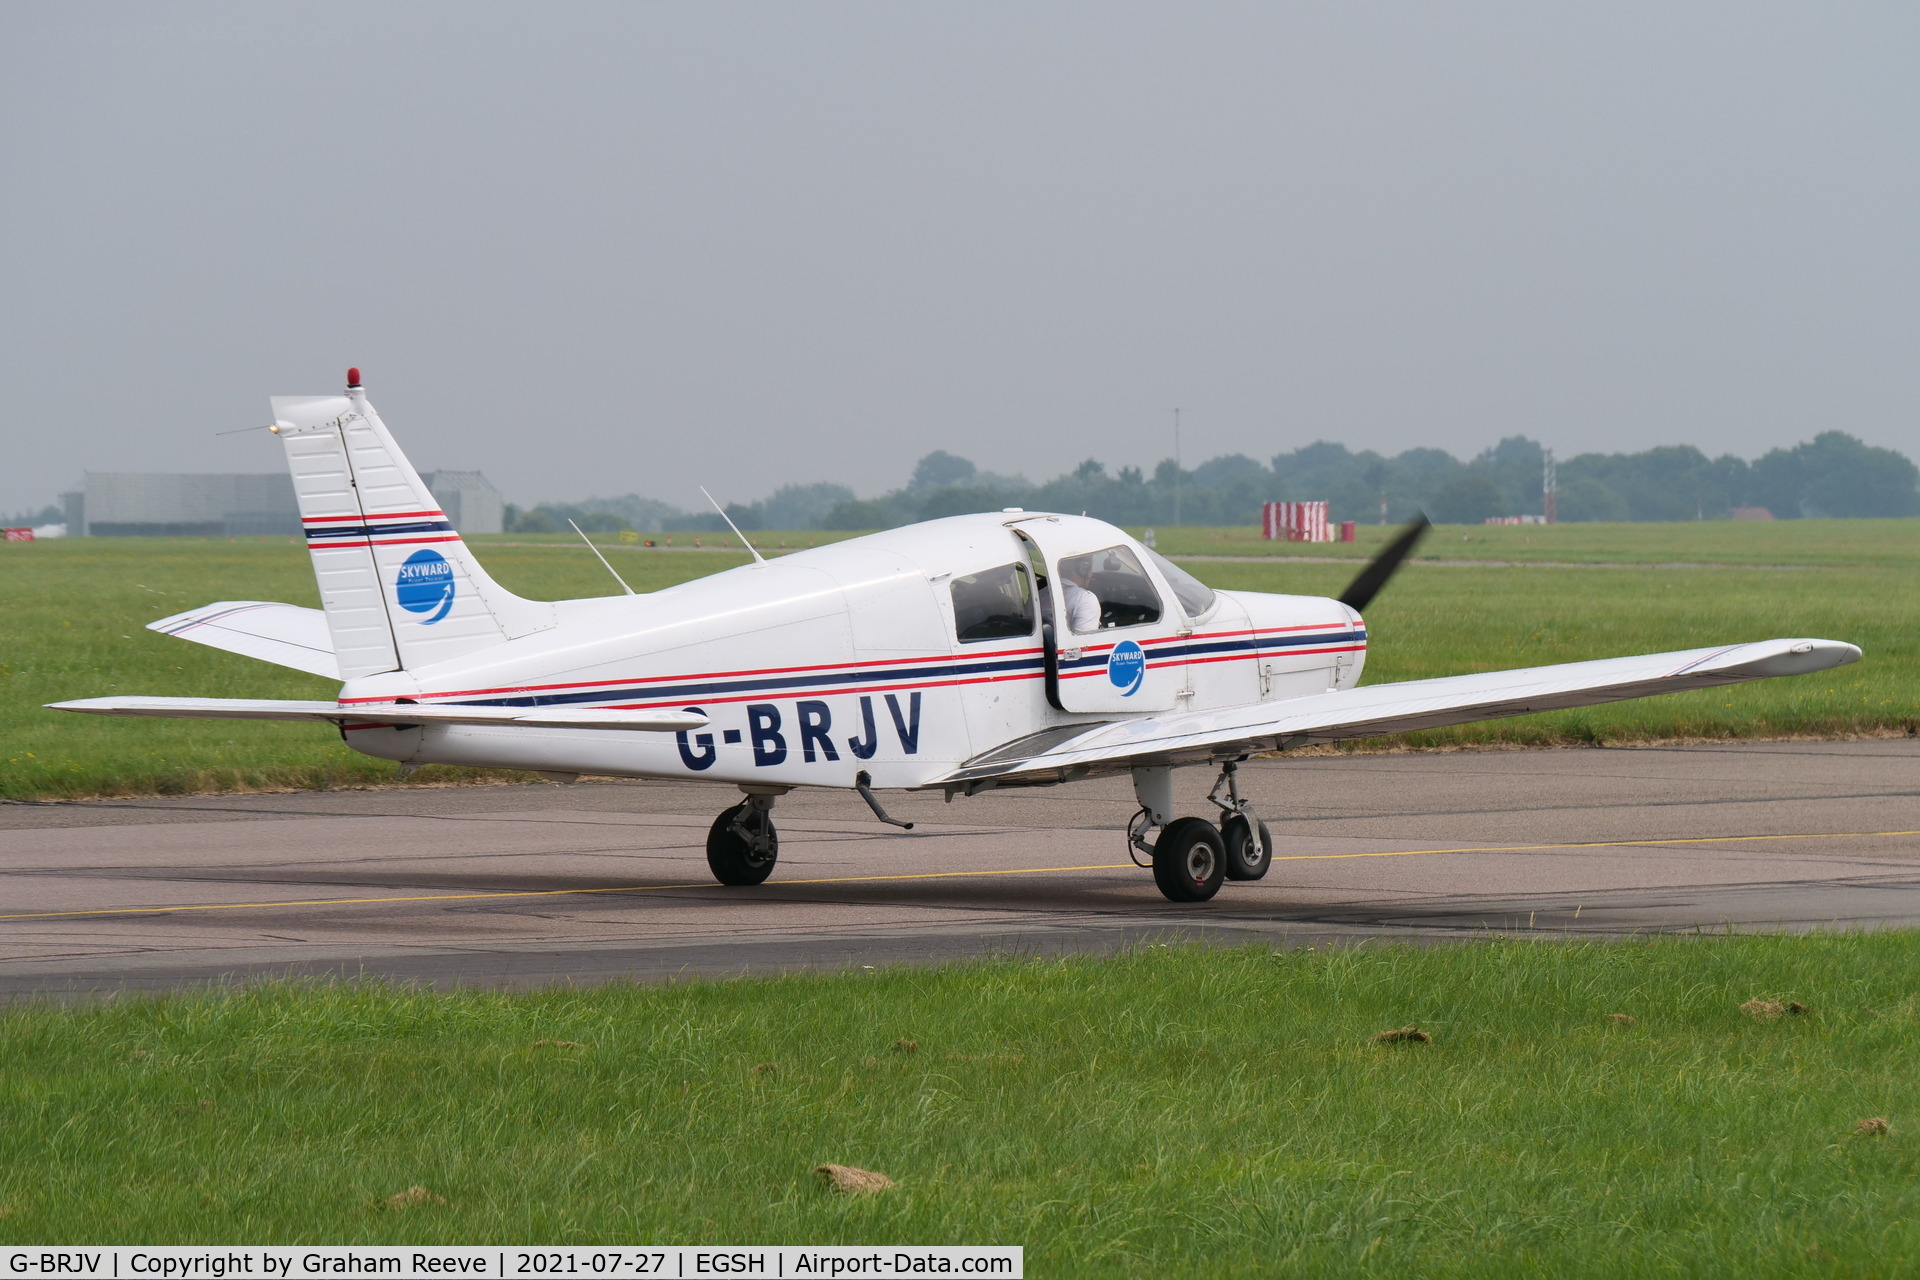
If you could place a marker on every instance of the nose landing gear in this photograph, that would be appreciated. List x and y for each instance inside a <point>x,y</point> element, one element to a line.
<point>1191,857</point>
<point>1249,843</point>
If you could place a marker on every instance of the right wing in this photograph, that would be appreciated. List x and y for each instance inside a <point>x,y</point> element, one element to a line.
<point>285,634</point>
<point>1067,752</point>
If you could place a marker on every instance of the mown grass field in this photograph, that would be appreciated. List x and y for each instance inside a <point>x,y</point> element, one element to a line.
<point>1175,1112</point>
<point>72,615</point>
<point>1885,543</point>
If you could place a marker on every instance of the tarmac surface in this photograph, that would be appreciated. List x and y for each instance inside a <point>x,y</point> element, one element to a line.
<point>595,882</point>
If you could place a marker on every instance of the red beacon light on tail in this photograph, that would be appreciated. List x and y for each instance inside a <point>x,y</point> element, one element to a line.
<point>353,379</point>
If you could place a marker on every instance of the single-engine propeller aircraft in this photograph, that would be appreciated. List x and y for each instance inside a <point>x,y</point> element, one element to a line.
<point>1011,649</point>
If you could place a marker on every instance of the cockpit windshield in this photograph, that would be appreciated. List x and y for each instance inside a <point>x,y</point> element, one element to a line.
<point>1195,596</point>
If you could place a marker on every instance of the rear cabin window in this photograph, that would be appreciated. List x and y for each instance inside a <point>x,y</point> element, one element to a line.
<point>994,604</point>
<point>1125,593</point>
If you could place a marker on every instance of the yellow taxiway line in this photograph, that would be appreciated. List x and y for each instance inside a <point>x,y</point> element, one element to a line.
<point>923,875</point>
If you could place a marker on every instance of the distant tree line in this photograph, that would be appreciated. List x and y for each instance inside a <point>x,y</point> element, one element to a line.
<point>1833,474</point>
<point>46,515</point>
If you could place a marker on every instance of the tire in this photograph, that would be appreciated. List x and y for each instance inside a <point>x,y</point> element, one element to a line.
<point>1247,859</point>
<point>1189,861</point>
<point>729,856</point>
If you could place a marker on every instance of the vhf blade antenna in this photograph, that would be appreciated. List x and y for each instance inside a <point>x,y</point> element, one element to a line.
<point>736,528</point>
<point>603,560</point>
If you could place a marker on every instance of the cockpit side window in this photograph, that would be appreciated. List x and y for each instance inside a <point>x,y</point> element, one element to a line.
<point>1107,589</point>
<point>994,604</point>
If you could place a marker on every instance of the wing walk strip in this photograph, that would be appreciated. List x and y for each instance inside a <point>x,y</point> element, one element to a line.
<point>928,875</point>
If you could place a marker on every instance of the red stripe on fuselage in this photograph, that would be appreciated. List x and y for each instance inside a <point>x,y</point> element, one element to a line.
<point>384,542</point>
<point>1224,657</point>
<point>996,678</point>
<point>679,678</point>
<point>716,675</point>
<point>370,519</point>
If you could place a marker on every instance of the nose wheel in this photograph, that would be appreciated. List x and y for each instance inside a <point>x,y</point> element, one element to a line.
<point>742,845</point>
<point>1249,847</point>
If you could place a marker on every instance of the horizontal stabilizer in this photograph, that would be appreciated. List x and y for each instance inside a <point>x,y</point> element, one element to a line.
<point>388,713</point>
<point>285,634</point>
<point>1230,732</point>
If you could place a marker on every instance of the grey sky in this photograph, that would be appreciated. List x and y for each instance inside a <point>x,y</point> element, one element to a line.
<point>594,249</point>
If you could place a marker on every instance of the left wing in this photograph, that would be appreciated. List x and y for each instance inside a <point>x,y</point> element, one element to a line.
<point>388,713</point>
<point>1066,752</point>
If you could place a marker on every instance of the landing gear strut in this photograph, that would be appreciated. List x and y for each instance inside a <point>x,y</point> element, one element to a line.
<point>742,845</point>
<point>1249,843</point>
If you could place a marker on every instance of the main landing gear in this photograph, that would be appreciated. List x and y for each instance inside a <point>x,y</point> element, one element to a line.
<point>1192,857</point>
<point>742,845</point>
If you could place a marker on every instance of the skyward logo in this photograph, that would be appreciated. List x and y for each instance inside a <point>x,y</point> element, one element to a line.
<point>425,585</point>
<point>1127,667</point>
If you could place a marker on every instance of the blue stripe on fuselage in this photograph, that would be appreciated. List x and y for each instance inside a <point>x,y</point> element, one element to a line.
<point>828,681</point>
<point>749,688</point>
<point>1252,646</point>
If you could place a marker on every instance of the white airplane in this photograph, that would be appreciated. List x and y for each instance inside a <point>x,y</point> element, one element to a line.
<point>1010,649</point>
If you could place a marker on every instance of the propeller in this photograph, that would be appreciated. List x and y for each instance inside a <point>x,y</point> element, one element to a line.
<point>1361,591</point>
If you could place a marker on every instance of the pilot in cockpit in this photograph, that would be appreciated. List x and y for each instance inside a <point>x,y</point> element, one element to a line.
<point>1083,607</point>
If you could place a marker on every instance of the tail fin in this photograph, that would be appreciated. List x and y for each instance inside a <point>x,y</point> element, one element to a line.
<point>399,587</point>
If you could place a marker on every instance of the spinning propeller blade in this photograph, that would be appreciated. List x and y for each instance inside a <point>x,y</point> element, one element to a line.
<point>1361,591</point>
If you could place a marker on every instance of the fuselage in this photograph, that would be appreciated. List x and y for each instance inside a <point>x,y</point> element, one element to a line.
<point>899,654</point>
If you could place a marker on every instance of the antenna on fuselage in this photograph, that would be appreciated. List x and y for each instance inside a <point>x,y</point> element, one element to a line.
<point>736,528</point>
<point>603,560</point>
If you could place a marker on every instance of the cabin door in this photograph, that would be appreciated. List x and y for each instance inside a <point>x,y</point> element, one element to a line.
<point>1111,642</point>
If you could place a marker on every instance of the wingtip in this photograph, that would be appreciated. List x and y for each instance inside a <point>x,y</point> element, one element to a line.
<point>1797,657</point>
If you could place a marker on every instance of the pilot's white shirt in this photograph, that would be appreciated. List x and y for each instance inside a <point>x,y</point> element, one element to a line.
<point>1083,607</point>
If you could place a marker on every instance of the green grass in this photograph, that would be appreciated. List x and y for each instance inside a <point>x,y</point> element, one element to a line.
<point>72,615</point>
<point>72,625</point>
<point>1437,621</point>
<point>1172,1112</point>
<point>1890,543</point>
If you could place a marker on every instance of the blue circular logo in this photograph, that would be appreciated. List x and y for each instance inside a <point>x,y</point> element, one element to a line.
<point>1126,667</point>
<point>425,585</point>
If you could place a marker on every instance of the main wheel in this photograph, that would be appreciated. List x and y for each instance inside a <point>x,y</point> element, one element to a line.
<point>1247,858</point>
<point>1188,860</point>
<point>732,857</point>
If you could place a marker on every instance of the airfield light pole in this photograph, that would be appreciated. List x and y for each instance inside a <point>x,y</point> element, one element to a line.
<point>1549,491</point>
<point>1176,467</point>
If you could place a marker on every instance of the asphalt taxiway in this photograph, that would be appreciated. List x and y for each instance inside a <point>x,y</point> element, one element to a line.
<point>594,882</point>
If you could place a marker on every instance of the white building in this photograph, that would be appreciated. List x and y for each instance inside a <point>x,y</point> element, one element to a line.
<point>138,504</point>
<point>471,502</point>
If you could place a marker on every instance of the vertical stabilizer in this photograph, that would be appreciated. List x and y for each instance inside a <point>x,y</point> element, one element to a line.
<point>399,586</point>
